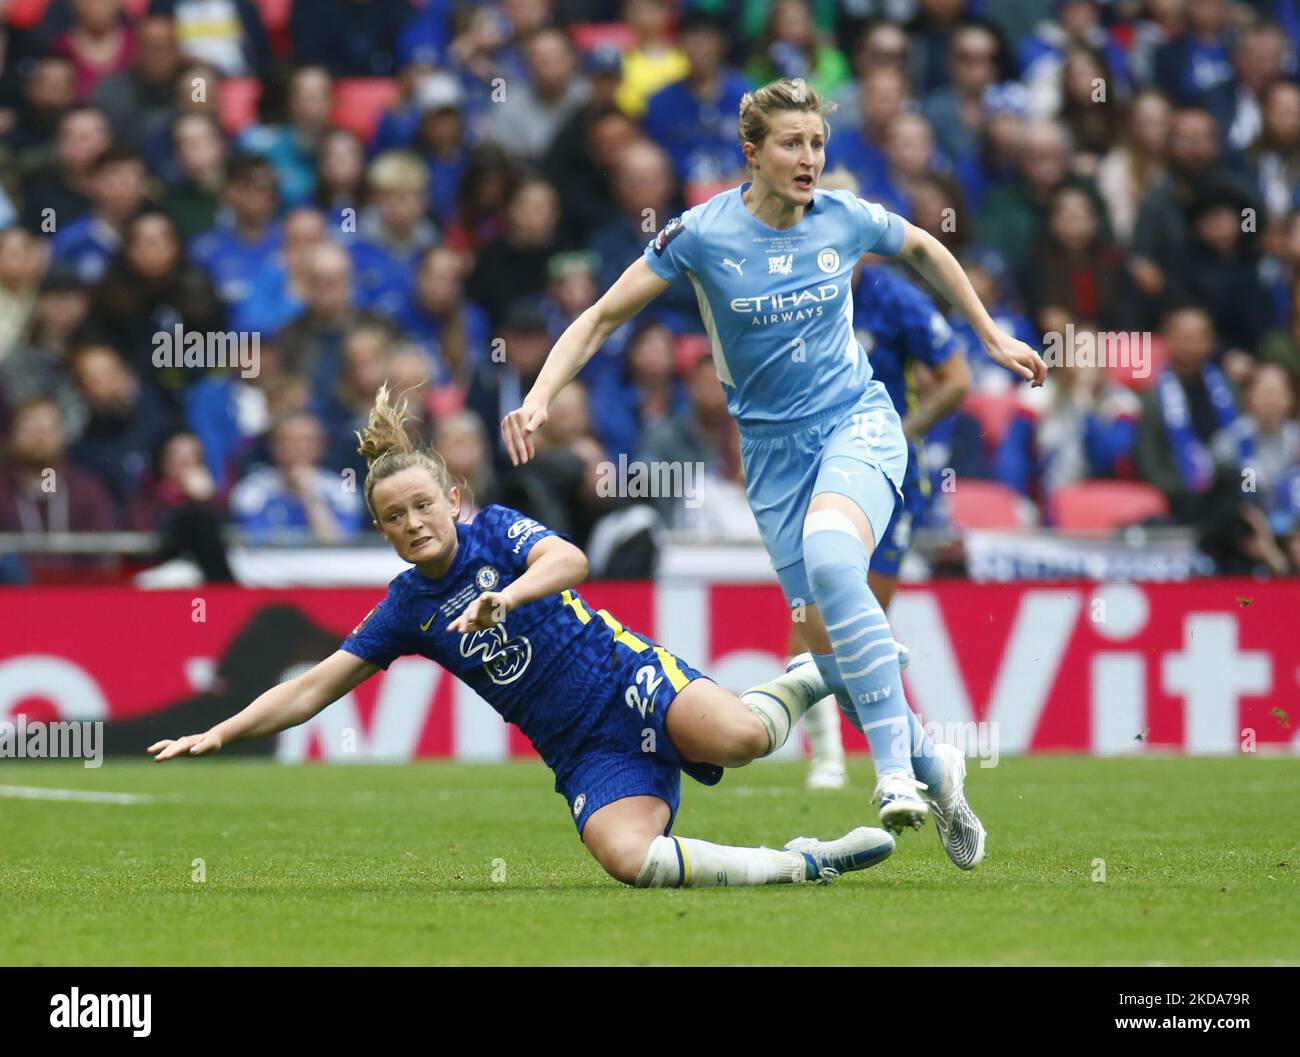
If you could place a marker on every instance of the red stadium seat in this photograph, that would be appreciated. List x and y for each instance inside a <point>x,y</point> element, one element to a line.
<point>591,35</point>
<point>238,103</point>
<point>24,14</point>
<point>1103,506</point>
<point>275,14</point>
<point>976,504</point>
<point>360,102</point>
<point>994,412</point>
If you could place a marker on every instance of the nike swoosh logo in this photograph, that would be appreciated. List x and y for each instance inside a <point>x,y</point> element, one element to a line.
<point>425,625</point>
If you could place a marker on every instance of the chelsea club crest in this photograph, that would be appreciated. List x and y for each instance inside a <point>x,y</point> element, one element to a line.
<point>486,578</point>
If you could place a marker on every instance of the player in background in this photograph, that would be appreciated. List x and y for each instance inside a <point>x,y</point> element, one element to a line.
<point>823,448</point>
<point>616,717</point>
<point>904,336</point>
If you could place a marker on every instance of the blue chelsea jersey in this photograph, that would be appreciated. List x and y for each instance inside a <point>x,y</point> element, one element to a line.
<point>544,668</point>
<point>778,305</point>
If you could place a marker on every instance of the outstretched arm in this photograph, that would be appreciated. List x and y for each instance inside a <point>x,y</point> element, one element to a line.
<point>635,289</point>
<point>554,565</point>
<point>940,269</point>
<point>281,707</point>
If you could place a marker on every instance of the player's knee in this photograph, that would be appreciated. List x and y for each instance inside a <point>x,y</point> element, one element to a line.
<point>832,552</point>
<point>748,739</point>
<point>622,857</point>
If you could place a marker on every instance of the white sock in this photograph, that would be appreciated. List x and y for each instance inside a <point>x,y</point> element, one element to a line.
<point>681,862</point>
<point>822,725</point>
<point>781,703</point>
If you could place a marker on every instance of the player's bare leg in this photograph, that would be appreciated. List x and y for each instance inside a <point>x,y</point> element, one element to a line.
<point>627,839</point>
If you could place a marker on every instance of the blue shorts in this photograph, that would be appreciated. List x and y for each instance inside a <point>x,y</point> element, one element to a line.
<point>630,754</point>
<point>787,463</point>
<point>892,548</point>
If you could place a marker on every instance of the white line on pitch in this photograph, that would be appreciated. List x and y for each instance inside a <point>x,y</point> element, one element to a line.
<point>36,792</point>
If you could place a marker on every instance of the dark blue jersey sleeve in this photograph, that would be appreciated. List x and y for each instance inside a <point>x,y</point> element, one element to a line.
<point>379,638</point>
<point>509,536</point>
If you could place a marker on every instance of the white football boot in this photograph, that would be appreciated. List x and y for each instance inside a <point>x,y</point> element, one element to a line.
<point>859,849</point>
<point>901,804</point>
<point>960,831</point>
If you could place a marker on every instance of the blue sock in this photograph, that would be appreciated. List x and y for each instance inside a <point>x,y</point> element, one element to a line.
<point>925,762</point>
<point>836,563</point>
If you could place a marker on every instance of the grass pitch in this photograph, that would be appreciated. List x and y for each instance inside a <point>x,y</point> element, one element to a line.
<point>462,864</point>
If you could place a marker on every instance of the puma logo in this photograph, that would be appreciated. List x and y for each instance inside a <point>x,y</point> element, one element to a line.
<point>729,263</point>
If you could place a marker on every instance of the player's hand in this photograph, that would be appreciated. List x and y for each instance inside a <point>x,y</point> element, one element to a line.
<point>1016,356</point>
<point>486,611</point>
<point>518,427</point>
<point>190,745</point>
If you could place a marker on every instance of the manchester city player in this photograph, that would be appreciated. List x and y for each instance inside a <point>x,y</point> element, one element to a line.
<point>823,448</point>
<point>616,717</point>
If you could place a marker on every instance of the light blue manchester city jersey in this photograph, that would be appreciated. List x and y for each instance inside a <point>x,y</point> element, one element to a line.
<point>778,305</point>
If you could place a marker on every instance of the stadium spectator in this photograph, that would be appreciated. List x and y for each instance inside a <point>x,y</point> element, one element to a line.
<point>295,497</point>
<point>149,288</point>
<point>859,147</point>
<point>1262,57</point>
<point>1262,447</point>
<point>117,191</point>
<point>198,90</point>
<point>393,232</point>
<point>1089,113</point>
<point>1282,343</point>
<point>1189,403</point>
<point>142,97</point>
<point>1275,153</point>
<point>1074,23</point>
<point>937,206</point>
<point>534,110</point>
<point>247,235</point>
<point>881,45</point>
<point>37,365</point>
<point>791,46</point>
<point>1013,214</point>
<point>49,90</point>
<point>194,200</point>
<point>292,146</point>
<point>229,35</point>
<point>513,265</point>
<point>23,260</point>
<point>930,35</point>
<point>344,409</point>
<point>988,275</point>
<point>499,384</point>
<point>570,290</point>
<point>178,499</point>
<point>462,442</point>
<point>58,192</point>
<point>452,331</point>
<point>341,181</point>
<point>439,139</point>
<point>956,110</point>
<point>911,155</point>
<point>694,119</point>
<point>277,290</point>
<point>1131,168</point>
<point>645,393</point>
<point>646,194</point>
<point>1220,270</point>
<point>579,166</point>
<point>698,435</point>
<point>488,185</point>
<point>349,38</point>
<point>1074,267</point>
<point>41,492</point>
<point>1195,68</point>
<point>99,42</point>
<point>654,61</point>
<point>126,421</point>
<point>996,161</point>
<point>313,342</point>
<point>1077,426</point>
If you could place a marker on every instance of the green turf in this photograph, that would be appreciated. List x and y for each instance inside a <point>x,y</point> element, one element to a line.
<point>320,865</point>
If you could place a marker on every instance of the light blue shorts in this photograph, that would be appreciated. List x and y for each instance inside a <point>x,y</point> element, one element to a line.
<point>856,450</point>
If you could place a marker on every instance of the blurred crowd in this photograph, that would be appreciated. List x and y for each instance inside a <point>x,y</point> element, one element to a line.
<point>429,193</point>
